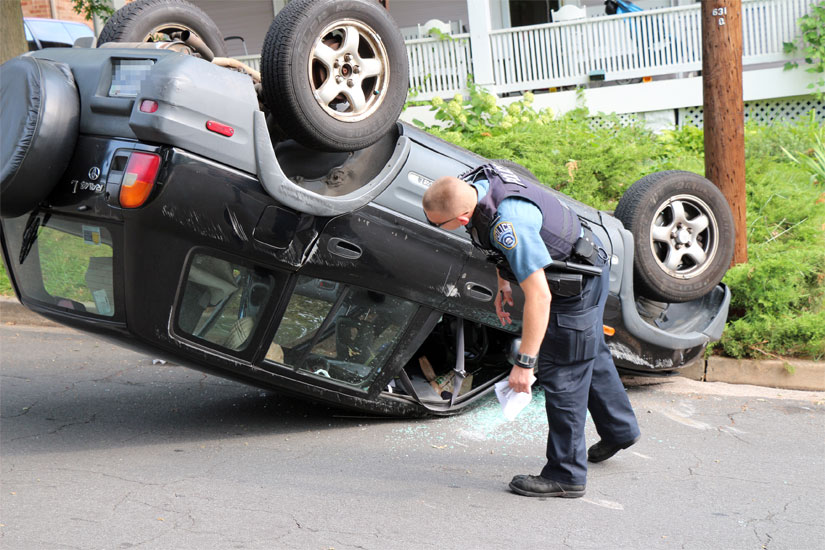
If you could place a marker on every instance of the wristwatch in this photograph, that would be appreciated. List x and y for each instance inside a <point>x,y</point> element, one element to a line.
<point>526,361</point>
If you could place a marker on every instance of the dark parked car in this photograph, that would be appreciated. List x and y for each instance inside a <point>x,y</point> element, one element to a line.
<point>150,198</point>
<point>54,33</point>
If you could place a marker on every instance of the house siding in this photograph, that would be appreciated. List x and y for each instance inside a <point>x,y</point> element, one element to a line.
<point>247,18</point>
<point>409,13</point>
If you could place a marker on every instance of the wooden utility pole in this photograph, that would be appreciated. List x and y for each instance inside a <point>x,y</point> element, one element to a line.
<point>12,38</point>
<point>724,109</point>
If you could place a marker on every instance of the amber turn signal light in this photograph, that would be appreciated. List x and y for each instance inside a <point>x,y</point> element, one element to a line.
<point>608,331</point>
<point>139,179</point>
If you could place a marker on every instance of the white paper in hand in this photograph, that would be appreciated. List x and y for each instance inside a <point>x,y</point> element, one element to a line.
<point>512,402</point>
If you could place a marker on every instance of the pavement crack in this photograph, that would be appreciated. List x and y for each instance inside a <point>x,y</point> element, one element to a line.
<point>765,543</point>
<point>56,430</point>
<point>732,432</point>
<point>25,410</point>
<point>13,377</point>
<point>699,463</point>
<point>70,424</point>
<point>103,474</point>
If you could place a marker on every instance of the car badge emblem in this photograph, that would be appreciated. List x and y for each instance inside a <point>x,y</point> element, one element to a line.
<point>94,173</point>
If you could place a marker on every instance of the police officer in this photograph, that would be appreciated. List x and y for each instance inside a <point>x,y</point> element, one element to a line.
<point>523,229</point>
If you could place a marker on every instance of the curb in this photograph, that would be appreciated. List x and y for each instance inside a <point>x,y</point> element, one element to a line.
<point>12,312</point>
<point>792,374</point>
<point>789,375</point>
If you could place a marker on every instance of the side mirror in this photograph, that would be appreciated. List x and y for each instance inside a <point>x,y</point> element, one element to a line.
<point>84,42</point>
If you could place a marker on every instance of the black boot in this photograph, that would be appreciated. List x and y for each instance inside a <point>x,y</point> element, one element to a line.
<point>537,486</point>
<point>604,450</point>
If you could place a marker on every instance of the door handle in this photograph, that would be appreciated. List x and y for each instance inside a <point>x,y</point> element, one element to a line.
<point>343,248</point>
<point>478,292</point>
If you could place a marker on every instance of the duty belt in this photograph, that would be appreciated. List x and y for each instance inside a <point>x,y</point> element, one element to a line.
<point>587,258</point>
<point>585,249</point>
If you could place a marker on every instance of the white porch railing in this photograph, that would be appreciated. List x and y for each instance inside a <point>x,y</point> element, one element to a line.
<point>253,61</point>
<point>647,43</point>
<point>439,67</point>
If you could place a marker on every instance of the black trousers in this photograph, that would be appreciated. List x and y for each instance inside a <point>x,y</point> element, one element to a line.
<point>577,373</point>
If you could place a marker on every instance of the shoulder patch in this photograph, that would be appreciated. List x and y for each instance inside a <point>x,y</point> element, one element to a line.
<point>505,234</point>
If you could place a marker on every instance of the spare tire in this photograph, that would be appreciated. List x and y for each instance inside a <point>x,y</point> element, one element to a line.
<point>150,20</point>
<point>334,74</point>
<point>40,116</point>
<point>683,235</point>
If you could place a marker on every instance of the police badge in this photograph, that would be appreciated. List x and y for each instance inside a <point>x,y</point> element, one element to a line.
<point>505,235</point>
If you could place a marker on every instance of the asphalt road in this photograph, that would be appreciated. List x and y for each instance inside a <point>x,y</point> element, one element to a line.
<point>102,449</point>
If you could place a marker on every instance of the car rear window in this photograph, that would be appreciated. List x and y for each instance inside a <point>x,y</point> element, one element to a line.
<point>65,263</point>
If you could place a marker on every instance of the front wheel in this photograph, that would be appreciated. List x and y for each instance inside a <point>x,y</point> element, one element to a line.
<point>683,235</point>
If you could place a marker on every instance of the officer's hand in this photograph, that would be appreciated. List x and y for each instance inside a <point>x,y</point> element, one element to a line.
<point>504,296</point>
<point>520,379</point>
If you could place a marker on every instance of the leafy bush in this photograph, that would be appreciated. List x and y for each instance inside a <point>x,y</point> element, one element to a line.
<point>778,303</point>
<point>593,165</point>
<point>812,40</point>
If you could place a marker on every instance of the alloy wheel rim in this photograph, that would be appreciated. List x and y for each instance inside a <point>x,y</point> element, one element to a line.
<point>349,70</point>
<point>684,236</point>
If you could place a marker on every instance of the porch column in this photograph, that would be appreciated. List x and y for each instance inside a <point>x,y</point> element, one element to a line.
<point>480,26</point>
<point>277,5</point>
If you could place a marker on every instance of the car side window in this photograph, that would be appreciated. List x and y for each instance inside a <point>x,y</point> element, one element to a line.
<point>339,332</point>
<point>222,301</point>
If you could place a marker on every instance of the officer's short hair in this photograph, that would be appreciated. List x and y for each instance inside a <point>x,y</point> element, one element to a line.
<point>442,195</point>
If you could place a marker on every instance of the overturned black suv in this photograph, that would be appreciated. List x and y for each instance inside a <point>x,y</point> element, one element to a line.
<point>268,227</point>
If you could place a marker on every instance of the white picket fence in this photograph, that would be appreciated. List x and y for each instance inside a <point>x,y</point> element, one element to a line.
<point>622,47</point>
<point>439,67</point>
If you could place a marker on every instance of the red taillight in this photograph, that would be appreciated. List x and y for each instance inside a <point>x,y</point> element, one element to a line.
<point>148,106</point>
<point>219,128</point>
<point>138,179</point>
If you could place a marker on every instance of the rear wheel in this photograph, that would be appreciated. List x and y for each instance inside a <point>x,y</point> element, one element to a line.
<point>683,235</point>
<point>160,21</point>
<point>334,74</point>
<point>40,116</point>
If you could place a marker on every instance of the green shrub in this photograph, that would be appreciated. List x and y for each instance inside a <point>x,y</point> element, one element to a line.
<point>5,284</point>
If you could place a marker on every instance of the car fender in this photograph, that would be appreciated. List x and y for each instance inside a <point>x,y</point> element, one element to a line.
<point>708,314</point>
<point>282,189</point>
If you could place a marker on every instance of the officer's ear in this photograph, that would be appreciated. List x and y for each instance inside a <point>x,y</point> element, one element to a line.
<point>463,219</point>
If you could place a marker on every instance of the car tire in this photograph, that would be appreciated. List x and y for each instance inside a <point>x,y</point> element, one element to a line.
<point>683,235</point>
<point>40,117</point>
<point>139,20</point>
<point>334,74</point>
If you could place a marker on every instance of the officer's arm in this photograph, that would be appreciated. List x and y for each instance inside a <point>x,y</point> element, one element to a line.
<point>504,296</point>
<point>534,324</point>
